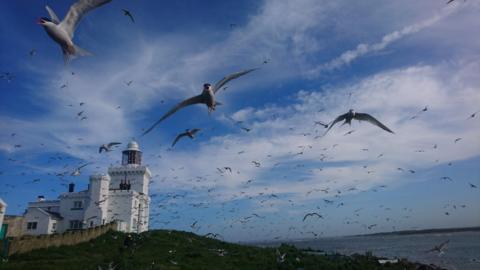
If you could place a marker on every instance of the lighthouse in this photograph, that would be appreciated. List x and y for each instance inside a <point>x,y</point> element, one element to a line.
<point>120,195</point>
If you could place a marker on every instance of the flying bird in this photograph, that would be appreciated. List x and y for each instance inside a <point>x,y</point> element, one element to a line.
<point>62,32</point>
<point>207,97</point>
<point>7,76</point>
<point>107,147</point>
<point>188,132</point>
<point>77,171</point>
<point>129,14</point>
<point>450,1</point>
<point>440,248</point>
<point>351,114</point>
<point>473,114</point>
<point>311,215</point>
<point>321,124</point>
<point>423,110</point>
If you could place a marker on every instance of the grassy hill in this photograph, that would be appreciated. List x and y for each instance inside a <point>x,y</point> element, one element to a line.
<point>161,249</point>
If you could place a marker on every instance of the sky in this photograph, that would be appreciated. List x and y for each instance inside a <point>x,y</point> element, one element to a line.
<point>316,60</point>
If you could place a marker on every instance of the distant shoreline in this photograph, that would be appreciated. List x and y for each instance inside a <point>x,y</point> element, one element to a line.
<point>404,232</point>
<point>425,231</point>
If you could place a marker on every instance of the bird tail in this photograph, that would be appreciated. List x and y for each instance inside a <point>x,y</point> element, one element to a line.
<point>69,54</point>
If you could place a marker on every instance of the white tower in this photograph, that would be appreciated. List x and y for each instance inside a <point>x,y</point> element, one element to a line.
<point>128,196</point>
<point>97,211</point>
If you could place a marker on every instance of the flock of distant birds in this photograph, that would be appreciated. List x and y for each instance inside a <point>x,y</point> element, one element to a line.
<point>62,32</point>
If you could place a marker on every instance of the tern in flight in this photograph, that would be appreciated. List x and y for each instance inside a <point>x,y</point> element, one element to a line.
<point>207,97</point>
<point>311,215</point>
<point>77,172</point>
<point>351,114</point>
<point>107,147</point>
<point>128,14</point>
<point>440,248</point>
<point>188,132</point>
<point>62,32</point>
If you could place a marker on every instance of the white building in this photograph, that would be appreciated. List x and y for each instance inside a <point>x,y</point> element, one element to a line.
<point>120,195</point>
<point>3,209</point>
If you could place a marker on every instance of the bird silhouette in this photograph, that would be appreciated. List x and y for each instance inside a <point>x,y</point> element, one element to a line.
<point>188,132</point>
<point>129,14</point>
<point>311,215</point>
<point>107,147</point>
<point>207,97</point>
<point>351,114</point>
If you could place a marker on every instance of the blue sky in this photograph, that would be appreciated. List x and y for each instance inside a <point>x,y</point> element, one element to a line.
<point>386,58</point>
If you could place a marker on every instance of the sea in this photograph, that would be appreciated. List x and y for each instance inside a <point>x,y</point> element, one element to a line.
<point>462,251</point>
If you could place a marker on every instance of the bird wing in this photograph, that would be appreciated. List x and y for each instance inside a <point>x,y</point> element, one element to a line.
<point>179,136</point>
<point>76,12</point>
<point>230,77</point>
<point>127,13</point>
<point>338,119</point>
<point>371,119</point>
<point>442,245</point>
<point>113,144</point>
<point>305,217</point>
<point>84,165</point>
<point>193,100</point>
<point>195,130</point>
<point>52,14</point>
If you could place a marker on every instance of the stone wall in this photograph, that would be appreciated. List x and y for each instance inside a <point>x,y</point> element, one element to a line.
<point>15,225</point>
<point>24,244</point>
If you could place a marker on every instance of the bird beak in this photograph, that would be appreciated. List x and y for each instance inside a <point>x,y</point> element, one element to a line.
<point>40,21</point>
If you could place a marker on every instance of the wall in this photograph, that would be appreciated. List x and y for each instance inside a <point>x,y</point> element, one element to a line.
<point>138,175</point>
<point>121,207</point>
<point>68,212</point>
<point>28,243</point>
<point>96,210</point>
<point>42,219</point>
<point>50,205</point>
<point>3,209</point>
<point>15,224</point>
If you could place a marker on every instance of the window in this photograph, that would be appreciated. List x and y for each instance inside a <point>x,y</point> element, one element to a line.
<point>54,226</point>
<point>75,224</point>
<point>77,205</point>
<point>91,223</point>
<point>31,225</point>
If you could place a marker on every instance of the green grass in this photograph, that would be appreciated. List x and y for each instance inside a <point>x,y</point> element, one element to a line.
<point>161,249</point>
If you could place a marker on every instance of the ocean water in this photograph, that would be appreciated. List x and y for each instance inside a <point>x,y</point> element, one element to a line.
<point>462,252</point>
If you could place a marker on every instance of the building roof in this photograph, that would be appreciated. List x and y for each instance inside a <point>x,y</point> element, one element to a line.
<point>133,146</point>
<point>53,215</point>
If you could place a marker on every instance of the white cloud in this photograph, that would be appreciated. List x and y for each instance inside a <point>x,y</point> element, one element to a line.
<point>363,49</point>
<point>393,97</point>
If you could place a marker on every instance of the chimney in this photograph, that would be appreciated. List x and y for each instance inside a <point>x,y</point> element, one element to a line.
<point>40,198</point>
<point>71,187</point>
